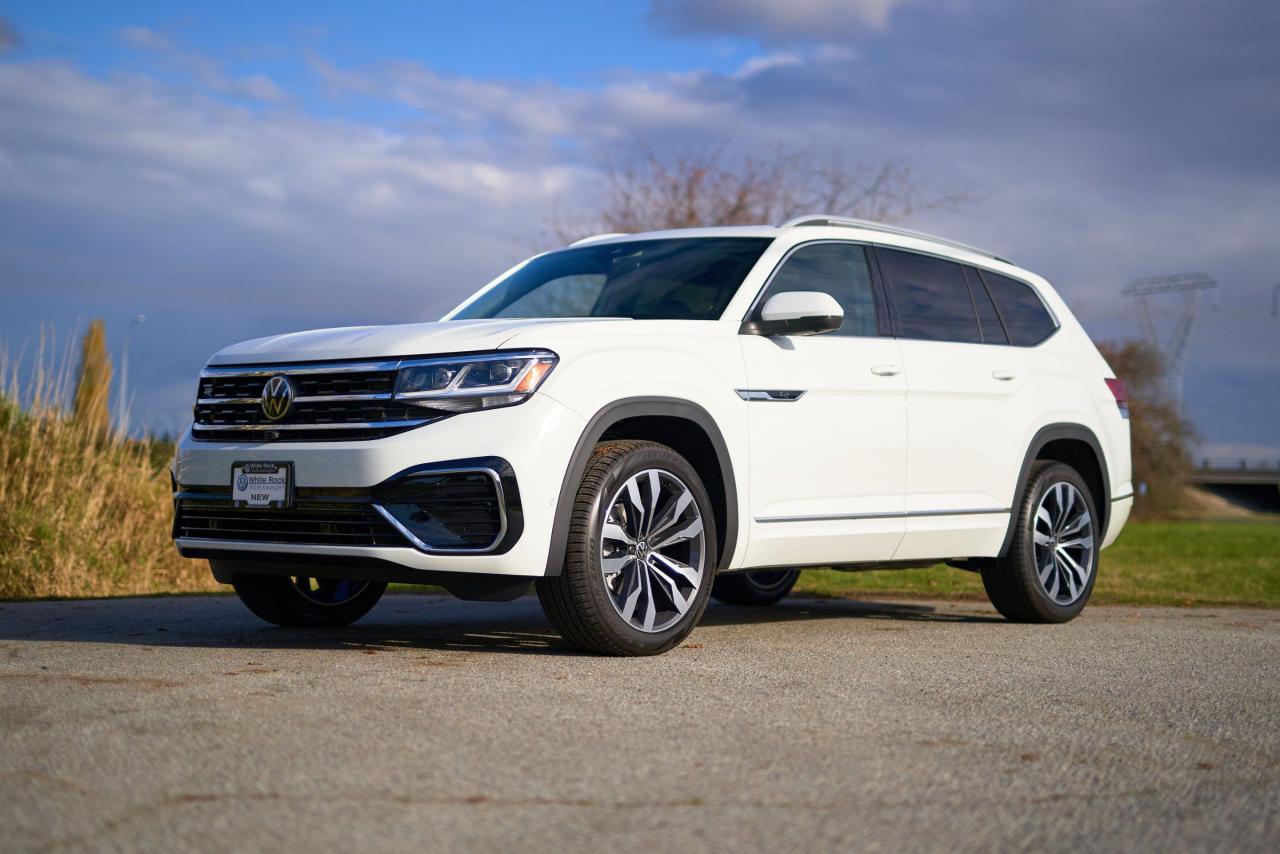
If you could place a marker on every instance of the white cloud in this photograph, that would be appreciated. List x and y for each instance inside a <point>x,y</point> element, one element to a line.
<point>194,199</point>
<point>793,58</point>
<point>770,20</point>
<point>769,61</point>
<point>255,87</point>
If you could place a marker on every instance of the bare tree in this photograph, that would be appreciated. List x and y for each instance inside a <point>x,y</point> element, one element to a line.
<point>711,187</point>
<point>1161,435</point>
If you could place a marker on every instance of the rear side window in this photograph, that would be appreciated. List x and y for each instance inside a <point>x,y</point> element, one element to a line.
<point>930,297</point>
<point>1025,317</point>
<point>838,269</point>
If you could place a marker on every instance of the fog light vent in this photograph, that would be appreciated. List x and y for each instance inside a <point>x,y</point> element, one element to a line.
<point>447,511</point>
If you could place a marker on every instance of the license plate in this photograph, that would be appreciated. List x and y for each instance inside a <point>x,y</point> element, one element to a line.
<point>261,484</point>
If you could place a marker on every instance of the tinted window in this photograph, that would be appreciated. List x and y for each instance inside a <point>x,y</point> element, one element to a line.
<point>988,319</point>
<point>930,297</point>
<point>838,269</point>
<point>1024,315</point>
<point>568,296</point>
<point>687,279</point>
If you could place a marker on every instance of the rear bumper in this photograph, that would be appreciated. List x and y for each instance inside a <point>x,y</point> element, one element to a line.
<point>1116,519</point>
<point>535,439</point>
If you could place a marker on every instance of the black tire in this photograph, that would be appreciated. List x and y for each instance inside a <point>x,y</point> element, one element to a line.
<point>1013,583</point>
<point>755,589</point>
<point>577,601</point>
<point>280,599</point>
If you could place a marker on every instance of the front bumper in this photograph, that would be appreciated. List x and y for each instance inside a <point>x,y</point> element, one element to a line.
<point>536,439</point>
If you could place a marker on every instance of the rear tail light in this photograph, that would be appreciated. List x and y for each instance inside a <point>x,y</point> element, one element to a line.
<point>1121,393</point>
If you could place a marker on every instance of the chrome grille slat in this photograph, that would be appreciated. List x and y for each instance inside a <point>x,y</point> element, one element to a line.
<point>354,425</point>
<point>306,523</point>
<point>332,402</point>
<point>331,368</point>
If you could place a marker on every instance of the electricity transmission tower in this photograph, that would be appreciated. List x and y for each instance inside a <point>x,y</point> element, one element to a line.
<point>1189,287</point>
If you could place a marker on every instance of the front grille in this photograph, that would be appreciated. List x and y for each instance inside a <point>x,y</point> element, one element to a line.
<point>470,505</point>
<point>330,403</point>
<point>307,522</point>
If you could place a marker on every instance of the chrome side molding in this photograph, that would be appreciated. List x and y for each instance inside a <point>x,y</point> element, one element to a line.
<point>777,395</point>
<point>907,514</point>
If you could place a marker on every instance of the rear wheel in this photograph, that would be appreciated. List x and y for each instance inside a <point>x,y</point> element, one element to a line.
<point>755,588</point>
<point>301,602</point>
<point>640,556</point>
<point>1052,562</point>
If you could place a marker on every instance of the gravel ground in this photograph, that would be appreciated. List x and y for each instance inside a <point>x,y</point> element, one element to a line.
<point>184,723</point>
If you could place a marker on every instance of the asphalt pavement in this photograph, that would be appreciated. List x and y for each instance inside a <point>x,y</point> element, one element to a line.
<point>186,724</point>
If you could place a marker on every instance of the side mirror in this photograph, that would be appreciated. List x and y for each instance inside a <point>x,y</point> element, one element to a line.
<point>797,313</point>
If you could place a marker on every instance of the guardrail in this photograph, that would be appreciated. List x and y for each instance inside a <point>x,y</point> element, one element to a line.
<point>1240,464</point>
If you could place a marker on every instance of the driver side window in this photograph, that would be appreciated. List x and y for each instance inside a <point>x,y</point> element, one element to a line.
<point>838,269</point>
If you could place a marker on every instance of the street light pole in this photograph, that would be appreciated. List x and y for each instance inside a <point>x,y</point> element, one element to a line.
<point>122,402</point>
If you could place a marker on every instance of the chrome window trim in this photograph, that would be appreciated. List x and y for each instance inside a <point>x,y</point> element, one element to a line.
<point>429,549</point>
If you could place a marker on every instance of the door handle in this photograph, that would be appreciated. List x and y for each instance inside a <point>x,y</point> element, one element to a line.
<point>885,370</point>
<point>1003,374</point>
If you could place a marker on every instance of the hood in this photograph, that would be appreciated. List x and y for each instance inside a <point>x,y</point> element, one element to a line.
<point>372,342</point>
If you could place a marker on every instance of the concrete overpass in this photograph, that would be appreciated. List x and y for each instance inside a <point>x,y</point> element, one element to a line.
<point>1254,484</point>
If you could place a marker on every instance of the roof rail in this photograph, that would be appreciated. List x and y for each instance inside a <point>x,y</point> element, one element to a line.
<point>593,238</point>
<point>870,225</point>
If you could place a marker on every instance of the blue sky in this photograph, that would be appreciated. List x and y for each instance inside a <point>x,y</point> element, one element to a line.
<point>240,169</point>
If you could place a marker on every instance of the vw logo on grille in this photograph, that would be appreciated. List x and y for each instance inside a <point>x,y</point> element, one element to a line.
<point>277,397</point>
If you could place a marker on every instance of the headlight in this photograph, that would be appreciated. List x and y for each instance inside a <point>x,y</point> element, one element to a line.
<point>466,383</point>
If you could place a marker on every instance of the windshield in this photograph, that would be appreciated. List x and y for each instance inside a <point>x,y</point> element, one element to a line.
<point>682,279</point>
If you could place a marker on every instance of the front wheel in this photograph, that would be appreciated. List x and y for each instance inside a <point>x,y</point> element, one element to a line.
<point>640,556</point>
<point>755,589</point>
<point>301,602</point>
<point>1052,562</point>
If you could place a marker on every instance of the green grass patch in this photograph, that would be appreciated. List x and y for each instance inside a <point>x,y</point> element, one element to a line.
<point>1153,563</point>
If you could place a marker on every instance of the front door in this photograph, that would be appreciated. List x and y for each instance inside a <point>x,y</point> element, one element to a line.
<point>827,423</point>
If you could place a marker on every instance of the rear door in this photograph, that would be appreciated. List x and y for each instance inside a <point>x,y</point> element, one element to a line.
<point>970,405</point>
<point>827,422</point>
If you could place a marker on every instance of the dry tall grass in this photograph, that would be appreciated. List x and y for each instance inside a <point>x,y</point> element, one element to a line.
<point>81,514</point>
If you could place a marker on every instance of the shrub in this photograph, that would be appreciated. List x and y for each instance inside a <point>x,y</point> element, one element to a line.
<point>82,512</point>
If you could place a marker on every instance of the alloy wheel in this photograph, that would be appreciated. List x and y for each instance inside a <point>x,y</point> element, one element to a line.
<point>653,550</point>
<point>1064,543</point>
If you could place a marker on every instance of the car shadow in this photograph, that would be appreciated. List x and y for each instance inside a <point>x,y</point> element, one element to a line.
<point>400,621</point>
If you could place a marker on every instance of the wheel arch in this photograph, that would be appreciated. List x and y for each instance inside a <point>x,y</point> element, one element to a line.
<point>1078,447</point>
<point>680,424</point>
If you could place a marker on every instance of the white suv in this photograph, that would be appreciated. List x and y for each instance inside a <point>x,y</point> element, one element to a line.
<point>638,422</point>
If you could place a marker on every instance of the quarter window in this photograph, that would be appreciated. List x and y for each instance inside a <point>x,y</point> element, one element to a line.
<point>1024,315</point>
<point>992,330</point>
<point>838,269</point>
<point>930,297</point>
